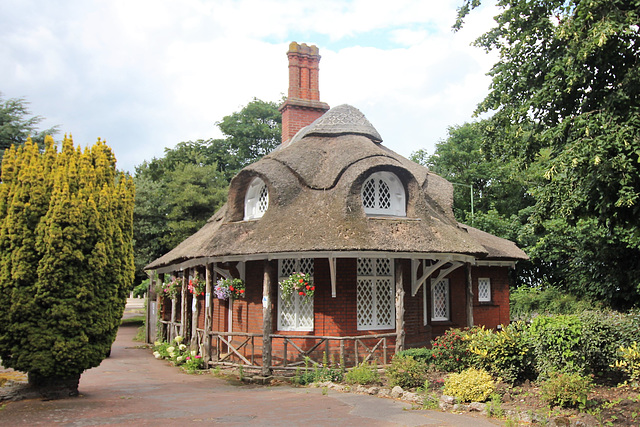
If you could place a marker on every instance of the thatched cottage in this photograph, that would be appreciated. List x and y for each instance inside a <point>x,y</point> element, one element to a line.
<point>391,266</point>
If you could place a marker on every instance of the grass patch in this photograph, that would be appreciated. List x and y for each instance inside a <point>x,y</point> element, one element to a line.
<point>133,321</point>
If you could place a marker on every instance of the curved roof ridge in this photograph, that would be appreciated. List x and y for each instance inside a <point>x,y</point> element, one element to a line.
<point>341,120</point>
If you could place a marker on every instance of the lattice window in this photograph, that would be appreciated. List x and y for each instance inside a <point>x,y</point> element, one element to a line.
<point>440,300</point>
<point>484,289</point>
<point>375,294</point>
<point>383,194</point>
<point>295,315</point>
<point>256,200</point>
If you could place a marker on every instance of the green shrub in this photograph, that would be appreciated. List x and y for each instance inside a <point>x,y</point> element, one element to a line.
<point>363,374</point>
<point>140,290</point>
<point>567,390</point>
<point>504,353</point>
<point>557,343</point>
<point>629,362</point>
<point>600,339</point>
<point>421,354</point>
<point>450,352</point>
<point>527,303</point>
<point>327,371</point>
<point>471,385</point>
<point>406,372</point>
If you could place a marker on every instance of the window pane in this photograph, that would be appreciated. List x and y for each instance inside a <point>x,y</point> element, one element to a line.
<point>484,289</point>
<point>440,293</point>
<point>375,294</point>
<point>384,195</point>
<point>369,194</point>
<point>295,315</point>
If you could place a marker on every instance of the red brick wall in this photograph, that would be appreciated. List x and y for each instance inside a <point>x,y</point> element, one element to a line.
<point>496,312</point>
<point>490,314</point>
<point>338,316</point>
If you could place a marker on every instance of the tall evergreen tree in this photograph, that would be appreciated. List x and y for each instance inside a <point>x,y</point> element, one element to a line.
<point>66,261</point>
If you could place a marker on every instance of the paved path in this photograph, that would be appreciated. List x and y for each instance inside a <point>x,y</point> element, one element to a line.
<point>133,388</point>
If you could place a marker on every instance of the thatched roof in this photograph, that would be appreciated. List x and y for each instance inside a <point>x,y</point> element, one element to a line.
<point>315,205</point>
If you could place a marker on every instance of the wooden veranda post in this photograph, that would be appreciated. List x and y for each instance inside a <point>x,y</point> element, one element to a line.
<point>162,334</point>
<point>399,308</point>
<point>183,305</point>
<point>206,340</point>
<point>195,313</point>
<point>267,326</point>
<point>151,294</point>
<point>469,296</point>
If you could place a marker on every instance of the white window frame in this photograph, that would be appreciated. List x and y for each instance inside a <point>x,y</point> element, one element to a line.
<point>447,295</point>
<point>397,198</point>
<point>376,279</point>
<point>297,305</point>
<point>484,282</point>
<point>256,201</point>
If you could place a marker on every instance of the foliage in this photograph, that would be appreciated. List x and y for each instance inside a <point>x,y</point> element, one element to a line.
<point>17,124</point>
<point>229,288</point>
<point>600,339</point>
<point>66,260</point>
<point>565,106</point>
<point>326,371</point>
<point>196,285</point>
<point>172,288</point>
<point>460,159</point>
<point>421,354</point>
<point>629,362</point>
<point>179,354</point>
<point>557,344</point>
<point>450,352</point>
<point>470,385</point>
<point>177,193</point>
<point>406,372</point>
<point>300,283</point>
<point>363,374</point>
<point>567,390</point>
<point>140,290</point>
<point>505,353</point>
<point>527,302</point>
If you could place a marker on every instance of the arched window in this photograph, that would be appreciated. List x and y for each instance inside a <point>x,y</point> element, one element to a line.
<point>256,201</point>
<point>383,194</point>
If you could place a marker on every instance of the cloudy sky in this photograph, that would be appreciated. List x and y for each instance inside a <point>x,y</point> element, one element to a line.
<point>145,75</point>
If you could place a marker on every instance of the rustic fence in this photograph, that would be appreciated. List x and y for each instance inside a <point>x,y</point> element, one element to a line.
<point>291,352</point>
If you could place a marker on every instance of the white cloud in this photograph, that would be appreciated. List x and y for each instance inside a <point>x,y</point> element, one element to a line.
<point>146,75</point>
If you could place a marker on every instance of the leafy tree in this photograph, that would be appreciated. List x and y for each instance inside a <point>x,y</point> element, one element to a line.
<point>565,103</point>
<point>178,192</point>
<point>17,124</point>
<point>66,261</point>
<point>497,185</point>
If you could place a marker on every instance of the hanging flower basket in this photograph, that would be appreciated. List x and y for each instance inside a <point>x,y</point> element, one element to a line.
<point>297,283</point>
<point>196,285</point>
<point>172,288</point>
<point>229,289</point>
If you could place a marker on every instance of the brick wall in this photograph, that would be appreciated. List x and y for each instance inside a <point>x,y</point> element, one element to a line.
<point>338,316</point>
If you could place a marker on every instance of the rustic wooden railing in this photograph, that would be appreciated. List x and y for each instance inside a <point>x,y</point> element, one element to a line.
<point>304,357</point>
<point>170,329</point>
<point>226,349</point>
<point>225,340</point>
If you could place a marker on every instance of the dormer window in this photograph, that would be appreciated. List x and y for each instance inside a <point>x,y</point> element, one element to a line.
<point>383,194</point>
<point>256,201</point>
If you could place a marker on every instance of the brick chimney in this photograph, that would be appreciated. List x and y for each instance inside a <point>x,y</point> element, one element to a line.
<point>303,104</point>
